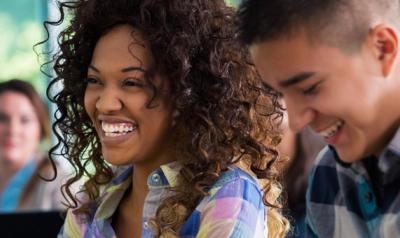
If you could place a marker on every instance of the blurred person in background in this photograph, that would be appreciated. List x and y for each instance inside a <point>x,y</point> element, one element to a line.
<point>24,125</point>
<point>301,149</point>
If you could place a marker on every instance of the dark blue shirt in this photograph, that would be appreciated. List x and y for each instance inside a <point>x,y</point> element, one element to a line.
<point>361,199</point>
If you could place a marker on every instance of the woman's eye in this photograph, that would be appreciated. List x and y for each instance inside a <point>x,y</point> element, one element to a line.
<point>132,82</point>
<point>3,117</point>
<point>25,120</point>
<point>91,80</point>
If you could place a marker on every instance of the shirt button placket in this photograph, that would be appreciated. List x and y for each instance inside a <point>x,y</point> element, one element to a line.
<point>367,201</point>
<point>369,197</point>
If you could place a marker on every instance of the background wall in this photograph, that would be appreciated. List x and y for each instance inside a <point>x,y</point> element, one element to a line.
<point>21,27</point>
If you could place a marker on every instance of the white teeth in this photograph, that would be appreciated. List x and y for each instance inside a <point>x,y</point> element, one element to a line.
<point>114,134</point>
<point>116,129</point>
<point>332,130</point>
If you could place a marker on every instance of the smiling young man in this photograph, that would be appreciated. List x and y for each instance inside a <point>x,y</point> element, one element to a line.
<point>336,64</point>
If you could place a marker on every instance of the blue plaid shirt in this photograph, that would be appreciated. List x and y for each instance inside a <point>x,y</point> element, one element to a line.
<point>361,199</point>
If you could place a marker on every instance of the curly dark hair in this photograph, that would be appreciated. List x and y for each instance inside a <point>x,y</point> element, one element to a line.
<point>226,115</point>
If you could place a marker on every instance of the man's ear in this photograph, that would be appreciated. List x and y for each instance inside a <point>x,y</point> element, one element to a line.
<point>385,46</point>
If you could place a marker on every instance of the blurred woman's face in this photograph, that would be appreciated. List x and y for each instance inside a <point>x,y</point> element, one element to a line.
<point>19,129</point>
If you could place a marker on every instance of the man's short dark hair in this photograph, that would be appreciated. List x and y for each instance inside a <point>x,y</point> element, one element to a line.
<point>343,23</point>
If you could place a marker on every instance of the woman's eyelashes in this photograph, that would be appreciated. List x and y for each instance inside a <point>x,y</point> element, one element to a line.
<point>26,120</point>
<point>91,80</point>
<point>3,117</point>
<point>127,82</point>
<point>312,90</point>
<point>133,82</point>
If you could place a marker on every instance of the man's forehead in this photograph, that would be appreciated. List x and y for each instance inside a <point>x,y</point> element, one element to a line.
<point>279,60</point>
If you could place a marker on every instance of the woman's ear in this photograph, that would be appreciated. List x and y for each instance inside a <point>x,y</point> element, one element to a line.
<point>385,46</point>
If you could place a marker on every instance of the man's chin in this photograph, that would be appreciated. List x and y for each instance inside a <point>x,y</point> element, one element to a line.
<point>348,157</point>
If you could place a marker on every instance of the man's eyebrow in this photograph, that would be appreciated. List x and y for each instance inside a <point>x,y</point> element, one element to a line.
<point>296,79</point>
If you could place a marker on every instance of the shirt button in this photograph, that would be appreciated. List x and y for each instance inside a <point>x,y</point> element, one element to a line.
<point>156,178</point>
<point>145,225</point>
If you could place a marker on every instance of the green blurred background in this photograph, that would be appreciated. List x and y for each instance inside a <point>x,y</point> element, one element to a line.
<point>20,28</point>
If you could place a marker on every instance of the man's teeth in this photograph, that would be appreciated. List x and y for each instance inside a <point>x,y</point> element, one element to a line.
<point>332,130</point>
<point>117,129</point>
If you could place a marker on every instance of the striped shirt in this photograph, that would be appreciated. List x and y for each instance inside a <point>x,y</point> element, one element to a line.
<point>233,208</point>
<point>361,199</point>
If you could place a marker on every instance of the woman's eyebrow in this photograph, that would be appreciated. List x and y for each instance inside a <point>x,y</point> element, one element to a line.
<point>123,70</point>
<point>132,68</point>
<point>94,68</point>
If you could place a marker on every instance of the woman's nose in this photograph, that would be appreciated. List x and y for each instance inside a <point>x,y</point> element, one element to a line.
<point>108,101</point>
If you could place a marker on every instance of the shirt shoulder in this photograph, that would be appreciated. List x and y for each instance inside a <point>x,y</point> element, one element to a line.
<point>99,210</point>
<point>236,183</point>
<point>323,173</point>
<point>73,226</point>
<point>233,208</point>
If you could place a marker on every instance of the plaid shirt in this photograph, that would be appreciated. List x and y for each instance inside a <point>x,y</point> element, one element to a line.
<point>361,199</point>
<point>233,208</point>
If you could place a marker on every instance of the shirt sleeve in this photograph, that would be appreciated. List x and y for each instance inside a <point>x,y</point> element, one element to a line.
<point>236,210</point>
<point>71,228</point>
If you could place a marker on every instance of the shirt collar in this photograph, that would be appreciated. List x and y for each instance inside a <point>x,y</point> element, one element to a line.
<point>112,194</point>
<point>163,177</point>
<point>389,158</point>
<point>394,144</point>
<point>391,154</point>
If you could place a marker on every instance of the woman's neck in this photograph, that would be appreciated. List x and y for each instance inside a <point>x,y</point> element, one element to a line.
<point>127,221</point>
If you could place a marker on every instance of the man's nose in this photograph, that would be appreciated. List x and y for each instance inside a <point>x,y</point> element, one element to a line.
<point>299,114</point>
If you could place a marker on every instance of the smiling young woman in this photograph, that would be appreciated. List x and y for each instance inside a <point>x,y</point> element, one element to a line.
<point>162,100</point>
